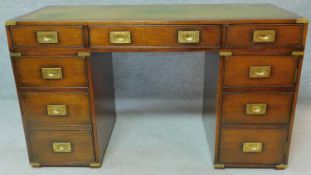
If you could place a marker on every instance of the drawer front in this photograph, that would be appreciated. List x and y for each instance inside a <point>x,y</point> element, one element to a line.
<point>252,146</point>
<point>260,71</point>
<point>239,36</point>
<point>207,36</point>
<point>74,148</point>
<point>51,71</point>
<point>256,107</point>
<point>56,109</point>
<point>48,36</point>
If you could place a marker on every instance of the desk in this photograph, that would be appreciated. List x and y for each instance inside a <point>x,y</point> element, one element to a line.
<point>62,62</point>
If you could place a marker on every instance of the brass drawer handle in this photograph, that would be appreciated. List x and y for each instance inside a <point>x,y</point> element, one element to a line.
<point>120,37</point>
<point>62,147</point>
<point>252,147</point>
<point>57,110</point>
<point>189,36</point>
<point>264,36</point>
<point>47,37</point>
<point>51,73</point>
<point>260,71</point>
<point>256,109</point>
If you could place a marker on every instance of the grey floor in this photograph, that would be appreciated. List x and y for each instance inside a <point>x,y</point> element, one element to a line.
<point>150,138</point>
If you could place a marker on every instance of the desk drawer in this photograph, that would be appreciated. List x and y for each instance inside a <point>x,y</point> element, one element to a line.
<point>56,109</point>
<point>260,71</point>
<point>74,148</point>
<point>239,36</point>
<point>252,146</point>
<point>256,107</point>
<point>47,36</point>
<point>208,36</point>
<point>51,71</point>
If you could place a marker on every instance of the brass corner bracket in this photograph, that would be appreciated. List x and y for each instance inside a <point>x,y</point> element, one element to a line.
<point>303,20</point>
<point>280,166</point>
<point>35,164</point>
<point>225,53</point>
<point>84,54</point>
<point>219,166</point>
<point>10,23</point>
<point>297,53</point>
<point>95,165</point>
<point>15,54</point>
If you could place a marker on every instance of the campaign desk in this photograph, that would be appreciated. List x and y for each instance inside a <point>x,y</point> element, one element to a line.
<point>62,62</point>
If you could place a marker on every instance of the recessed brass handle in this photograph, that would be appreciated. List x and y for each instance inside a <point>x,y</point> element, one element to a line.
<point>120,37</point>
<point>51,73</point>
<point>47,37</point>
<point>264,36</point>
<point>259,71</point>
<point>56,110</point>
<point>256,109</point>
<point>252,147</point>
<point>61,147</point>
<point>189,36</point>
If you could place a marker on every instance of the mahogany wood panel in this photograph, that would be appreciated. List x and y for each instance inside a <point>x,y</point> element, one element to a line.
<point>164,35</point>
<point>273,150</point>
<point>28,70</point>
<point>42,151</point>
<point>68,36</point>
<point>212,67</point>
<point>278,108</point>
<point>237,68</point>
<point>35,109</point>
<point>103,99</point>
<point>241,36</point>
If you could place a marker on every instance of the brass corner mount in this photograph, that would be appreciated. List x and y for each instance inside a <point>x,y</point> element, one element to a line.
<point>219,166</point>
<point>95,165</point>
<point>280,166</point>
<point>303,20</point>
<point>10,23</point>
<point>84,54</point>
<point>297,53</point>
<point>35,164</point>
<point>225,53</point>
<point>15,54</point>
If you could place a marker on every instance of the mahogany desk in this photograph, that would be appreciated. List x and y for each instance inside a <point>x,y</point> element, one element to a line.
<point>62,61</point>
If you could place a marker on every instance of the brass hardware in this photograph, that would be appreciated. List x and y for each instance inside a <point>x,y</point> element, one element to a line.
<point>47,37</point>
<point>10,23</point>
<point>52,73</point>
<point>256,109</point>
<point>264,36</point>
<point>15,54</point>
<point>189,36</point>
<point>219,166</point>
<point>252,147</point>
<point>34,164</point>
<point>225,53</point>
<point>303,20</point>
<point>120,37</point>
<point>84,54</point>
<point>56,110</point>
<point>297,53</point>
<point>259,71</point>
<point>281,167</point>
<point>61,147</point>
<point>95,165</point>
